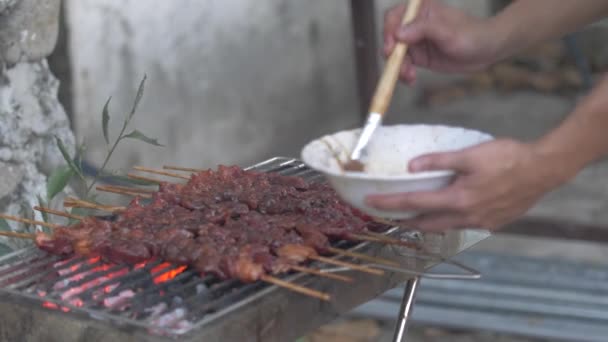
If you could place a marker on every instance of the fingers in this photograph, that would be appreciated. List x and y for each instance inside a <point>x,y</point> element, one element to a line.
<point>456,161</point>
<point>416,201</point>
<point>392,20</point>
<point>408,72</point>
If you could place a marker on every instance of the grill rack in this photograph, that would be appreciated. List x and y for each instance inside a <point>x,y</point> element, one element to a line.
<point>85,287</point>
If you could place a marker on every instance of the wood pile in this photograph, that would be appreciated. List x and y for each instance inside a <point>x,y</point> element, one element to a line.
<point>547,69</point>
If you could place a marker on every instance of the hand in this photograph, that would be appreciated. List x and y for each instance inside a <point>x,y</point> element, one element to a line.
<point>441,38</point>
<point>496,182</point>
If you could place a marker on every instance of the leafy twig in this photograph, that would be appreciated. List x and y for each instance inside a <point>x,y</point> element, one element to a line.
<point>61,177</point>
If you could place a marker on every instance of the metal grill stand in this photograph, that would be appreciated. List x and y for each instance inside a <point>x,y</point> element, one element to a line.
<point>407,303</point>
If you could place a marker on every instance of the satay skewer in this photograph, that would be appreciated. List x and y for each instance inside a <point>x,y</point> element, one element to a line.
<point>19,235</point>
<point>178,168</point>
<point>90,205</point>
<point>28,221</point>
<point>320,273</point>
<point>128,189</point>
<point>295,288</point>
<point>294,267</point>
<point>362,256</point>
<point>76,203</point>
<point>122,191</point>
<point>264,277</point>
<point>143,178</point>
<point>160,172</point>
<point>58,213</point>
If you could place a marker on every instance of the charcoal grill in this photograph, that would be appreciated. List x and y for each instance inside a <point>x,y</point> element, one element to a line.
<point>45,298</point>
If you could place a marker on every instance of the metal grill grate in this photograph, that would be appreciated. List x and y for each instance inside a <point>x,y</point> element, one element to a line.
<point>155,297</point>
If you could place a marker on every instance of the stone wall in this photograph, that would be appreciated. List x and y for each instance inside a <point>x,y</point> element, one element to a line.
<point>30,114</point>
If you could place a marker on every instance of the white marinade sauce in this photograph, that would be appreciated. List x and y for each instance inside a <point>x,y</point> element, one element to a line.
<point>392,148</point>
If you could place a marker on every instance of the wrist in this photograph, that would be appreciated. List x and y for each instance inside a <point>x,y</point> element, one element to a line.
<point>497,35</point>
<point>559,163</point>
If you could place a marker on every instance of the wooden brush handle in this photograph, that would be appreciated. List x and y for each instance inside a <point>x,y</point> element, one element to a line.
<point>390,75</point>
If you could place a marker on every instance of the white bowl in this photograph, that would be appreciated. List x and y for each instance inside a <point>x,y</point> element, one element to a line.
<point>386,164</point>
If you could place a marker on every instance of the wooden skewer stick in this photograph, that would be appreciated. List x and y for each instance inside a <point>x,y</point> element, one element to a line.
<point>122,192</point>
<point>393,240</point>
<point>322,274</point>
<point>385,240</point>
<point>295,288</point>
<point>362,256</point>
<point>178,168</point>
<point>160,172</point>
<point>18,235</point>
<point>58,213</point>
<point>128,189</point>
<point>73,202</point>
<point>28,221</point>
<point>147,179</point>
<point>346,264</point>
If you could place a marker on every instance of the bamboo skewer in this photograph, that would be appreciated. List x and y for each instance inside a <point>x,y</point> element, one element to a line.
<point>385,240</point>
<point>128,189</point>
<point>28,221</point>
<point>76,203</point>
<point>393,240</point>
<point>346,264</point>
<point>178,168</point>
<point>295,288</point>
<point>58,213</point>
<point>122,191</point>
<point>321,274</point>
<point>147,179</point>
<point>160,172</point>
<point>18,235</point>
<point>362,256</point>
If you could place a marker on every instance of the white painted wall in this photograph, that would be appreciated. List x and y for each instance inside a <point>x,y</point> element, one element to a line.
<point>228,80</point>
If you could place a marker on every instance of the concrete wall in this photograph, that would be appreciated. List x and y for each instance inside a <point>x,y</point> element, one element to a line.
<point>228,81</point>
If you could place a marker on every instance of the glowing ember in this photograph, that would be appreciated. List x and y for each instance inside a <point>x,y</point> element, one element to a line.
<point>77,302</point>
<point>79,289</point>
<point>50,305</point>
<point>169,275</point>
<point>94,259</point>
<point>140,265</point>
<point>110,288</point>
<point>64,309</point>
<point>160,267</point>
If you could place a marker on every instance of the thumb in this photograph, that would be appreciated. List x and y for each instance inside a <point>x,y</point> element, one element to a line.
<point>456,161</point>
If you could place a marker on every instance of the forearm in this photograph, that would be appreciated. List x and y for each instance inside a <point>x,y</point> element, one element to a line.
<point>527,22</point>
<point>581,138</point>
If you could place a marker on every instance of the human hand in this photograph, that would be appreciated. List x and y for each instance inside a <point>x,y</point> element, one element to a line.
<point>495,183</point>
<point>441,38</point>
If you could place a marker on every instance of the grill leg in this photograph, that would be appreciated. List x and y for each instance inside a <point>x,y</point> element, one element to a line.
<point>406,309</point>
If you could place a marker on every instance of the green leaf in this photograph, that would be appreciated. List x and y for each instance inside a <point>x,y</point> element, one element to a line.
<point>4,249</point>
<point>45,216</point>
<point>4,226</point>
<point>140,94</point>
<point>67,158</point>
<point>105,120</point>
<point>80,152</point>
<point>58,181</point>
<point>140,136</point>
